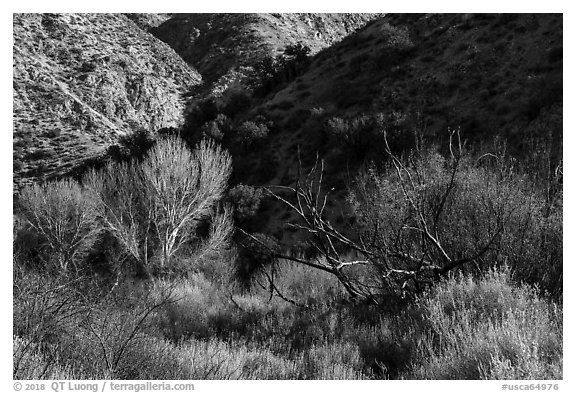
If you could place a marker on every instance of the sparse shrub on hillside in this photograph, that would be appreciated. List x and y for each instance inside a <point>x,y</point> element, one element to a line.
<point>363,136</point>
<point>196,116</point>
<point>246,201</point>
<point>235,101</point>
<point>211,130</point>
<point>17,165</point>
<point>218,128</point>
<point>134,145</point>
<point>63,218</point>
<point>397,43</point>
<point>52,133</point>
<point>39,154</point>
<point>250,133</point>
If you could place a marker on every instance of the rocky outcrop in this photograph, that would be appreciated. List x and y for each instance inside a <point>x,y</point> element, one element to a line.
<point>81,80</point>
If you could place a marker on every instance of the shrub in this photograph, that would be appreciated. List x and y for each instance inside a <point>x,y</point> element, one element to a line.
<point>488,329</point>
<point>17,165</point>
<point>363,135</point>
<point>218,128</point>
<point>29,362</point>
<point>246,201</point>
<point>39,154</point>
<point>425,216</point>
<point>133,145</point>
<point>250,133</point>
<point>306,285</point>
<point>479,213</point>
<point>116,321</point>
<point>211,130</point>
<point>196,116</point>
<point>45,310</point>
<point>235,102</point>
<point>63,217</point>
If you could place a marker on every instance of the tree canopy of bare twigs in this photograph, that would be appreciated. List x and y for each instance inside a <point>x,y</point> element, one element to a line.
<point>158,203</point>
<point>64,218</point>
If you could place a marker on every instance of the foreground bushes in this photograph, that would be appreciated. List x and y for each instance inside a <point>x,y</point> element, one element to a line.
<point>418,218</point>
<point>189,320</point>
<point>478,213</point>
<point>465,328</point>
<point>488,329</point>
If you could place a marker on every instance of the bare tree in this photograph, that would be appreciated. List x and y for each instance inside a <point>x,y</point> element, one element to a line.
<point>184,187</point>
<point>124,209</point>
<point>156,204</point>
<point>64,216</point>
<point>219,236</point>
<point>402,250</point>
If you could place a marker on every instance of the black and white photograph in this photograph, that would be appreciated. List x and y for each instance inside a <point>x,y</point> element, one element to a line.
<point>287,196</point>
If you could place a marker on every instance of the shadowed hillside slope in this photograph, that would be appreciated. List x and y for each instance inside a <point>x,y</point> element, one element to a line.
<point>148,21</point>
<point>80,81</point>
<point>218,43</point>
<point>490,75</point>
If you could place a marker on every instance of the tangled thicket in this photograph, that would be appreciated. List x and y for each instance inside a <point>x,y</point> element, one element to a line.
<point>422,217</point>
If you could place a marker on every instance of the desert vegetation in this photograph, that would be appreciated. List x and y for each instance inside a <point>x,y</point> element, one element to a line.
<point>388,208</point>
<point>452,268</point>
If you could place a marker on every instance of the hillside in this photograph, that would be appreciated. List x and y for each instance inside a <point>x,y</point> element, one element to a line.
<point>148,21</point>
<point>80,81</point>
<point>216,44</point>
<point>490,75</point>
<point>485,73</point>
